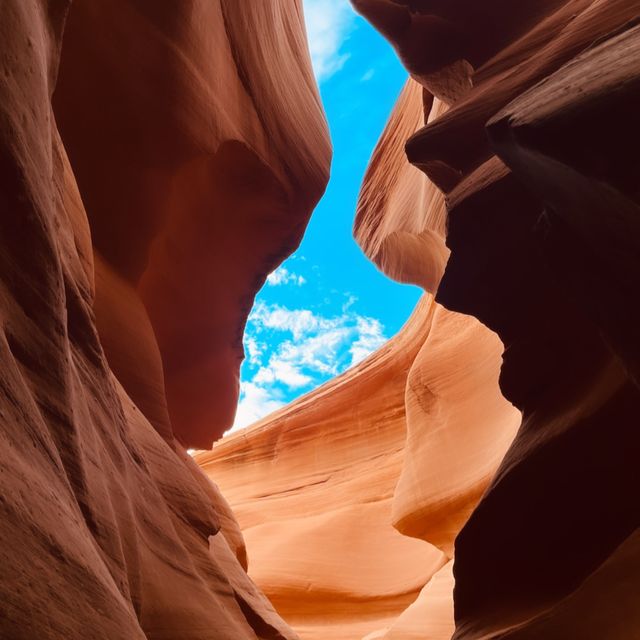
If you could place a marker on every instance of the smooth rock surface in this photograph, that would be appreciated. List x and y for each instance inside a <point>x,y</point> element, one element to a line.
<point>312,488</point>
<point>216,151</point>
<point>108,529</point>
<point>318,486</point>
<point>406,442</point>
<point>544,251</point>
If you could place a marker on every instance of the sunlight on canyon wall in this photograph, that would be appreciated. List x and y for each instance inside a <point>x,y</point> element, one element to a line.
<point>474,478</point>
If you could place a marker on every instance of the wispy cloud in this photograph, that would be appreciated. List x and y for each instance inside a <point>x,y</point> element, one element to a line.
<point>283,276</point>
<point>370,336</point>
<point>298,322</point>
<point>253,349</point>
<point>367,75</point>
<point>280,370</point>
<point>256,401</point>
<point>311,348</point>
<point>329,23</point>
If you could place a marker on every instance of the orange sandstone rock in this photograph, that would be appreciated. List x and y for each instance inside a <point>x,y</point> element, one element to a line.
<point>312,488</point>
<point>458,424</point>
<point>316,485</point>
<point>210,150</point>
<point>544,245</point>
<point>410,438</point>
<point>430,616</point>
<point>401,219</point>
<point>108,529</point>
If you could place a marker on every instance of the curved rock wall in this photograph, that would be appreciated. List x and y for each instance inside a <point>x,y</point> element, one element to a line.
<point>458,424</point>
<point>543,251</point>
<point>405,443</point>
<point>401,219</point>
<point>543,240</point>
<point>313,485</point>
<point>144,146</point>
<point>108,528</point>
<point>212,145</point>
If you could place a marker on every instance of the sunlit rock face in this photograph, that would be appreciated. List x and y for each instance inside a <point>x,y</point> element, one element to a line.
<point>313,485</point>
<point>544,240</point>
<point>401,218</point>
<point>108,236</point>
<point>312,489</point>
<point>458,425</point>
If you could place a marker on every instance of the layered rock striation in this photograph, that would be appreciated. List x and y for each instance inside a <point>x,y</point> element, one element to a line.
<point>520,119</point>
<point>129,181</point>
<point>312,488</point>
<point>319,485</point>
<point>157,160</point>
<point>535,158</point>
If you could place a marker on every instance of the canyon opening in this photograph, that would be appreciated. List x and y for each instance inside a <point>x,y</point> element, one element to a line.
<point>469,475</point>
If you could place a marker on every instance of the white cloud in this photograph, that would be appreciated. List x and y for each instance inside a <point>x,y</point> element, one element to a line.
<point>255,403</point>
<point>283,276</point>
<point>309,348</point>
<point>296,321</point>
<point>371,337</point>
<point>367,75</point>
<point>349,302</point>
<point>329,23</point>
<point>320,352</point>
<point>282,371</point>
<point>253,349</point>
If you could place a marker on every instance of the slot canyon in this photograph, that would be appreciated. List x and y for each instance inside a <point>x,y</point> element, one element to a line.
<point>471,479</point>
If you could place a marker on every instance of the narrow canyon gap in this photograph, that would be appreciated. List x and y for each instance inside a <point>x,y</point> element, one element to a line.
<point>543,239</point>
<point>474,478</point>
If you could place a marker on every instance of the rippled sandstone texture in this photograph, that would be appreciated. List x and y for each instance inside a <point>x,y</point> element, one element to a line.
<point>544,240</point>
<point>109,235</point>
<point>313,485</point>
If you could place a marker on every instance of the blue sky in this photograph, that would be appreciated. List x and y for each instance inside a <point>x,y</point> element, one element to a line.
<point>327,307</point>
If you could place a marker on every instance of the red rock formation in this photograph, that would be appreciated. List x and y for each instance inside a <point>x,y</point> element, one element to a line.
<point>212,151</point>
<point>543,251</point>
<point>400,223</point>
<point>312,488</point>
<point>410,438</point>
<point>193,142</point>
<point>108,528</point>
<point>458,424</point>
<point>313,485</point>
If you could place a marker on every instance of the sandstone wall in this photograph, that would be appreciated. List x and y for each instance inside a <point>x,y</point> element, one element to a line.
<point>543,239</point>
<point>316,490</point>
<point>521,121</point>
<point>404,443</point>
<point>157,160</point>
<point>199,166</point>
<point>108,237</point>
